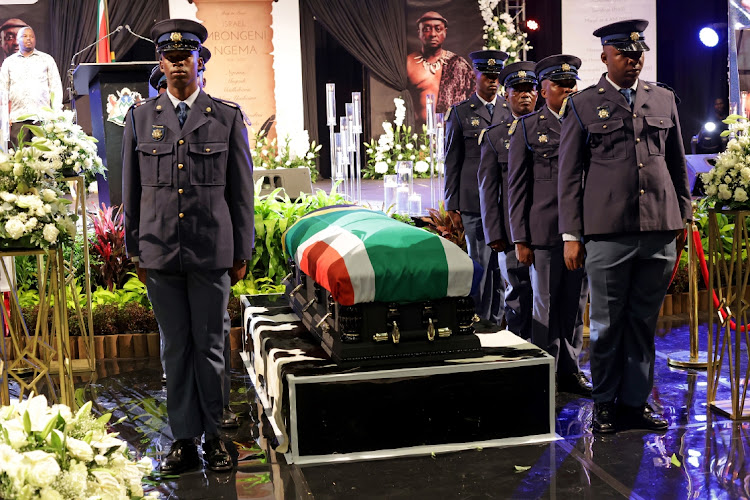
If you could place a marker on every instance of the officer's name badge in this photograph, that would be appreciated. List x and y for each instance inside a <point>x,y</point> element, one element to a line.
<point>157,132</point>
<point>543,138</point>
<point>603,112</point>
<point>474,121</point>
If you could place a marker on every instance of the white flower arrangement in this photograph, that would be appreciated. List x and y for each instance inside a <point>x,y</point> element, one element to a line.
<point>33,212</point>
<point>75,149</point>
<point>728,182</point>
<point>395,144</point>
<point>501,33</point>
<point>50,453</point>
<point>296,151</point>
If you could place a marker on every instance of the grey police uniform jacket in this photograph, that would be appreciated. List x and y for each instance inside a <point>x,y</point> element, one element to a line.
<point>465,122</point>
<point>187,192</point>
<point>493,181</point>
<point>622,171</point>
<point>532,179</point>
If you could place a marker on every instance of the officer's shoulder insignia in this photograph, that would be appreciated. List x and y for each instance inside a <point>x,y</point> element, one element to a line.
<point>228,103</point>
<point>564,106</point>
<point>513,127</point>
<point>448,113</point>
<point>665,86</point>
<point>602,112</point>
<point>157,132</point>
<point>481,136</point>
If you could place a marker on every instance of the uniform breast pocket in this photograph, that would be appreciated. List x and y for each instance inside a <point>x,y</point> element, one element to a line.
<point>155,162</point>
<point>608,140</point>
<point>208,163</point>
<point>543,162</point>
<point>657,128</point>
<point>471,146</point>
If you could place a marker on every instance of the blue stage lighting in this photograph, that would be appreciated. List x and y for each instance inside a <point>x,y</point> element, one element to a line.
<point>709,37</point>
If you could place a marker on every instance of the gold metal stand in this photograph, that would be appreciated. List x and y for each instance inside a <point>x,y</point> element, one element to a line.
<point>692,358</point>
<point>728,278</point>
<point>84,315</point>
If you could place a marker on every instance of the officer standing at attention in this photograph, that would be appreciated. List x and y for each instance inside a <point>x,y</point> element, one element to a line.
<point>188,196</point>
<point>623,187</point>
<point>464,122</point>
<point>559,295</point>
<point>520,83</point>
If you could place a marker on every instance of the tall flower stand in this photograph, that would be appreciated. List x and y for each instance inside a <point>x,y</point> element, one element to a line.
<point>32,357</point>
<point>728,326</point>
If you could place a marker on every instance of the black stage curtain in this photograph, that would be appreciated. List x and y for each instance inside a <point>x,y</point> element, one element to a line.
<point>309,74</point>
<point>140,15</point>
<point>374,32</point>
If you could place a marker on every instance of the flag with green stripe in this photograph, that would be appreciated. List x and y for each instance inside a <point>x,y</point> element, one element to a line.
<point>361,255</point>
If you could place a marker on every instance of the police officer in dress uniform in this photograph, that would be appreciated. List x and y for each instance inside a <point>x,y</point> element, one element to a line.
<point>623,187</point>
<point>157,80</point>
<point>188,196</point>
<point>464,122</point>
<point>520,83</point>
<point>559,295</point>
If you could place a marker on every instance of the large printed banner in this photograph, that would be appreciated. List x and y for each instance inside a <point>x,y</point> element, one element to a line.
<point>581,17</point>
<point>240,39</point>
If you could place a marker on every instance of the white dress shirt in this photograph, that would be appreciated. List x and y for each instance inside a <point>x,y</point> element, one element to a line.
<point>31,82</point>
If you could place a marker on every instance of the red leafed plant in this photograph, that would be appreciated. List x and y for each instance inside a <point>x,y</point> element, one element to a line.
<point>441,223</point>
<point>109,261</point>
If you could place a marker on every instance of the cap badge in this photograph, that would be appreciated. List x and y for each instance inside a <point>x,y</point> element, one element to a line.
<point>565,67</point>
<point>176,36</point>
<point>543,138</point>
<point>521,74</point>
<point>490,62</point>
<point>635,36</point>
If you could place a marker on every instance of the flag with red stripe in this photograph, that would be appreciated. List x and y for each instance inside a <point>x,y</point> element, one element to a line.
<point>362,255</point>
<point>103,54</point>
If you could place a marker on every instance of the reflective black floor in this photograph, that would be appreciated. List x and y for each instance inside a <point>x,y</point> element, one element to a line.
<point>701,456</point>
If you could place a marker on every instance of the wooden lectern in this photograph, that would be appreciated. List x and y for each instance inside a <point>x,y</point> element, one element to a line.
<point>99,82</point>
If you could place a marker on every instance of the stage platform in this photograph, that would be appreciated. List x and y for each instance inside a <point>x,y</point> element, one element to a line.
<point>323,412</point>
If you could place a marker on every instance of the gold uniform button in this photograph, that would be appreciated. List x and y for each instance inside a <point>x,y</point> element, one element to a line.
<point>545,155</point>
<point>604,126</point>
<point>180,166</point>
<point>208,150</point>
<point>158,107</point>
<point>661,121</point>
<point>638,139</point>
<point>180,191</point>
<point>181,142</point>
<point>643,191</point>
<point>208,109</point>
<point>154,151</point>
<point>182,215</point>
<point>541,117</point>
<point>635,115</point>
<point>640,165</point>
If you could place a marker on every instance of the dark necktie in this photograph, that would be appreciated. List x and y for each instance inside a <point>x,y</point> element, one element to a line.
<point>490,107</point>
<point>182,110</point>
<point>628,93</point>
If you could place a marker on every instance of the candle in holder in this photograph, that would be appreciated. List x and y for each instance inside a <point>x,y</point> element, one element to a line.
<point>357,112</point>
<point>402,200</point>
<point>350,127</point>
<point>331,104</point>
<point>415,204</point>
<point>430,108</point>
<point>439,137</point>
<point>390,184</point>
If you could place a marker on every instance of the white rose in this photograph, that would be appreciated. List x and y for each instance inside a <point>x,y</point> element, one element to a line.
<point>88,162</point>
<point>43,467</point>
<point>50,494</point>
<point>421,166</point>
<point>724,192</point>
<point>14,228</point>
<point>100,460</point>
<point>381,167</point>
<point>49,195</point>
<point>740,195</point>
<point>50,233</point>
<point>107,485</point>
<point>9,197</point>
<point>410,146</point>
<point>77,448</point>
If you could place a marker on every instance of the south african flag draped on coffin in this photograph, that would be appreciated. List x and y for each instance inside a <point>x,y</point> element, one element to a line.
<point>362,255</point>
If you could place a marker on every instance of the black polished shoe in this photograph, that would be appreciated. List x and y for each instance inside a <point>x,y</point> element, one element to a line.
<point>229,419</point>
<point>640,417</point>
<point>216,455</point>
<point>182,456</point>
<point>604,418</point>
<point>576,383</point>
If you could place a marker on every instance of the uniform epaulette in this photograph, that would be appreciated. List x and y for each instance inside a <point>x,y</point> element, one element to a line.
<point>484,131</point>
<point>564,106</point>
<point>232,104</point>
<point>448,113</point>
<point>665,86</point>
<point>137,104</point>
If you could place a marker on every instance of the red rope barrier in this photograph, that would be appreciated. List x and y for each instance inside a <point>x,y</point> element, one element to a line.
<point>704,272</point>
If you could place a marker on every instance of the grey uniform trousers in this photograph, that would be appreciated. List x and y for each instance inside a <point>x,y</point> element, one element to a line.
<point>518,303</point>
<point>490,297</point>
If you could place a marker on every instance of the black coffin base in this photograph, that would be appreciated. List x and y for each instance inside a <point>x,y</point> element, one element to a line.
<point>325,412</point>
